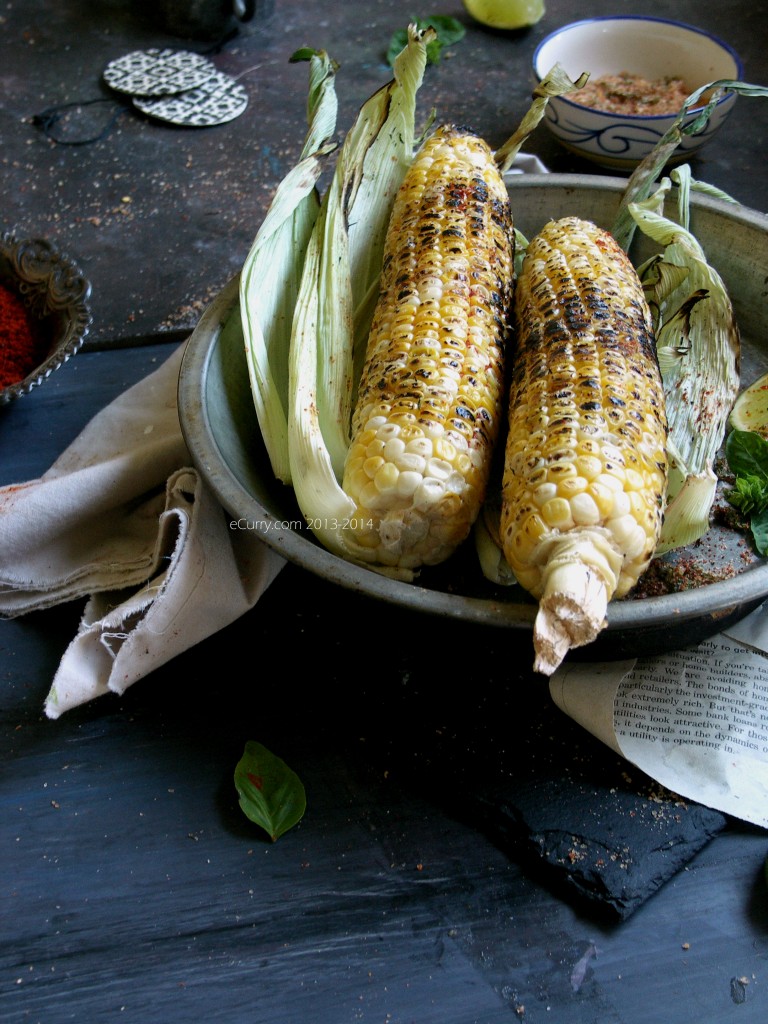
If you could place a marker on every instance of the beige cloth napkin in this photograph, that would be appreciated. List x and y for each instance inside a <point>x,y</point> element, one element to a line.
<point>124,521</point>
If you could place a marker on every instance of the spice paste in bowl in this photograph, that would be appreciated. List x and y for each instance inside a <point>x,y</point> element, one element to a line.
<point>627,93</point>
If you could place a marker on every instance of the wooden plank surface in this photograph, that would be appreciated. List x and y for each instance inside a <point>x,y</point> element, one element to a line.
<point>161,217</point>
<point>135,889</point>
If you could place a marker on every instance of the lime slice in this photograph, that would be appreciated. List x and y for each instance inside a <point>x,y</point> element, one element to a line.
<point>750,410</point>
<point>506,13</point>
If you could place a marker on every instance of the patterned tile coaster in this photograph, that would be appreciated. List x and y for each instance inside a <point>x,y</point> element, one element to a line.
<point>158,72</point>
<point>217,100</point>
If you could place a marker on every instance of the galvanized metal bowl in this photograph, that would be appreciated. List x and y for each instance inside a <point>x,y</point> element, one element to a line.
<point>220,428</point>
<point>55,294</point>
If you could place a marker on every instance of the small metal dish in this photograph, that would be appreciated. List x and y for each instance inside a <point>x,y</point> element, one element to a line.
<point>55,293</point>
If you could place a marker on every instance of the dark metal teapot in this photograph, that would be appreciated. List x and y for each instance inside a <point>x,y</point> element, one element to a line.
<point>211,19</point>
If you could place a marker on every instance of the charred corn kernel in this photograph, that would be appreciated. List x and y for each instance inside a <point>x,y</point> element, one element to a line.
<point>431,391</point>
<point>587,435</point>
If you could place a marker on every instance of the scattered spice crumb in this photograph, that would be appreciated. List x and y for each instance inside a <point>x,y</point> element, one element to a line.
<point>685,573</point>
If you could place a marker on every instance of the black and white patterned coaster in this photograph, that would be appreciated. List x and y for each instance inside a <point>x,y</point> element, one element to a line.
<point>217,100</point>
<point>158,72</point>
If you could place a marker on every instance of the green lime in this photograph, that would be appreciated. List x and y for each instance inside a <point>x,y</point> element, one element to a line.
<point>750,410</point>
<point>506,13</point>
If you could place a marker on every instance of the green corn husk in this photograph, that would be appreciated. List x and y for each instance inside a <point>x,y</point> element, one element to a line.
<point>697,337</point>
<point>698,347</point>
<point>346,244</point>
<point>271,273</point>
<point>643,179</point>
<point>490,555</point>
<point>555,83</point>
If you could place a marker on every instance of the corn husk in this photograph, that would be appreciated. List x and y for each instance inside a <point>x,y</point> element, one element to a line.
<point>698,348</point>
<point>642,181</point>
<point>555,83</point>
<point>346,243</point>
<point>271,273</point>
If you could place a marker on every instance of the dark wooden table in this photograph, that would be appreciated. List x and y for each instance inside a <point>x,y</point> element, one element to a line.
<point>133,887</point>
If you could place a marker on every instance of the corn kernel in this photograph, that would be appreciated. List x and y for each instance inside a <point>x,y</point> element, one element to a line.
<point>557,514</point>
<point>544,492</point>
<point>584,510</point>
<point>571,486</point>
<point>386,477</point>
<point>393,449</point>
<point>371,466</point>
<point>588,466</point>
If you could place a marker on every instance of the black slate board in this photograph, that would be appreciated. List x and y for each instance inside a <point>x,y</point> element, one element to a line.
<point>605,832</point>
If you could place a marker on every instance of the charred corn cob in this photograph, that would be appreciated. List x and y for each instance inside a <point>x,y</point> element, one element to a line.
<point>585,462</point>
<point>430,396</point>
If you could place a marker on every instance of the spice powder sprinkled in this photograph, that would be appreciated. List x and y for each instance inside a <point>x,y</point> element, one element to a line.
<point>23,344</point>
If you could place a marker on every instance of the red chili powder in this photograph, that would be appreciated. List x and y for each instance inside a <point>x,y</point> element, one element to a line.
<point>23,344</point>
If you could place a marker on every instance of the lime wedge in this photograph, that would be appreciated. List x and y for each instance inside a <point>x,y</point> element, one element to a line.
<point>750,410</point>
<point>506,13</point>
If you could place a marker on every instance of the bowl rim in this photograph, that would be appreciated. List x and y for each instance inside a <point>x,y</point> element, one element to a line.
<point>727,97</point>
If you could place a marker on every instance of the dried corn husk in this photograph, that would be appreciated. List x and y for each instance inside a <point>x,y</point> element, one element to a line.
<point>698,348</point>
<point>269,280</point>
<point>346,243</point>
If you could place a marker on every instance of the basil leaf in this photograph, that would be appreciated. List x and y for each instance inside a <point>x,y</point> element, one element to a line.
<point>747,454</point>
<point>271,794</point>
<point>749,494</point>
<point>303,53</point>
<point>448,29</point>
<point>759,526</point>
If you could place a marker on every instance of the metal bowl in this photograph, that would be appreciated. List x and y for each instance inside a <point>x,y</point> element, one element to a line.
<point>55,294</point>
<point>219,424</point>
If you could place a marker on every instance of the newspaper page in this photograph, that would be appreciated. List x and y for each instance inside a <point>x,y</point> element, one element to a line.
<point>695,720</point>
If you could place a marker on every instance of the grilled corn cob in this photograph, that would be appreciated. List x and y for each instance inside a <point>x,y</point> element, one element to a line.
<point>430,396</point>
<point>585,462</point>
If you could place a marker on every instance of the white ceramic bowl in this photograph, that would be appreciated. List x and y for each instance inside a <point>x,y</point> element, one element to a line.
<point>651,47</point>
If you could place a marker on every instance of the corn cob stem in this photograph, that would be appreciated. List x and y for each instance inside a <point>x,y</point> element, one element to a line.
<point>586,466</point>
<point>574,598</point>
